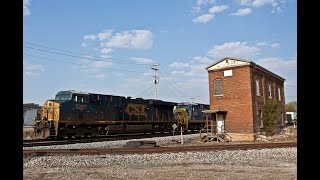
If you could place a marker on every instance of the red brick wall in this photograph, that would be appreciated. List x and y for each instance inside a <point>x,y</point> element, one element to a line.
<point>259,101</point>
<point>236,99</point>
<point>239,97</point>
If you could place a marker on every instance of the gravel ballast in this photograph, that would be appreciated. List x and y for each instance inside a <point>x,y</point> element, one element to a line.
<point>275,163</point>
<point>161,141</point>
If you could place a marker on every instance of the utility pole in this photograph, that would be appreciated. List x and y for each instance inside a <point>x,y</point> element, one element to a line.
<point>156,79</point>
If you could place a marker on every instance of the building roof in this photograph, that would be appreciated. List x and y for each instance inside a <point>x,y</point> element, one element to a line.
<point>211,111</point>
<point>248,61</point>
<point>31,106</point>
<point>76,92</point>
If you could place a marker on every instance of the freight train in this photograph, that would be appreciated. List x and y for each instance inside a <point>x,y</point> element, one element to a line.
<point>80,114</point>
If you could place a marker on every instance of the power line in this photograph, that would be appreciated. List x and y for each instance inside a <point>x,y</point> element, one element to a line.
<point>49,59</point>
<point>53,48</point>
<point>171,84</point>
<point>72,52</point>
<point>93,59</point>
<point>143,91</point>
<point>174,91</point>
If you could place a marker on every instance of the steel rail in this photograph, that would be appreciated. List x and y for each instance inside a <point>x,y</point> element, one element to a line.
<point>143,150</point>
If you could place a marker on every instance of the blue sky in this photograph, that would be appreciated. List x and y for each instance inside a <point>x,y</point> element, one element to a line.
<point>107,46</point>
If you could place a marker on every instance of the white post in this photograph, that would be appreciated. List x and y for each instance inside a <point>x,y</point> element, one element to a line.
<point>181,136</point>
<point>155,80</point>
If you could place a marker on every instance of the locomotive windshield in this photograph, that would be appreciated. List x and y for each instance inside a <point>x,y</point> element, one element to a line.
<point>64,95</point>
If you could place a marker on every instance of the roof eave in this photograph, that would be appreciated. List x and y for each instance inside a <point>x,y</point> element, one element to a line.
<point>244,60</point>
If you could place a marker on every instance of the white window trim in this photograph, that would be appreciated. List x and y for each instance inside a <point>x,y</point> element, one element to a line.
<point>257,87</point>
<point>279,94</point>
<point>261,119</point>
<point>269,91</point>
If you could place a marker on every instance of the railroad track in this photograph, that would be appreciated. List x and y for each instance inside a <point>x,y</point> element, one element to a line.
<point>144,150</point>
<point>48,142</point>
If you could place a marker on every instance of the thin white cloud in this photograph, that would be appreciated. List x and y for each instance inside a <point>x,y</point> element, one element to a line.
<point>131,39</point>
<point>217,9</point>
<point>276,63</point>
<point>245,2</point>
<point>204,2</point>
<point>203,18</point>
<point>84,44</point>
<point>233,49</point>
<point>105,56</point>
<point>141,60</point>
<point>203,59</point>
<point>149,73</point>
<point>89,37</point>
<point>179,65</point>
<point>286,68</point>
<point>200,3</point>
<point>177,72</point>
<point>33,69</point>
<point>276,8</point>
<point>105,34</point>
<point>194,68</point>
<point>100,76</point>
<point>94,68</point>
<point>264,43</point>
<point>259,3</point>
<point>275,45</point>
<point>99,64</point>
<point>242,12</point>
<point>26,7</point>
<point>106,51</point>
<point>134,39</point>
<point>198,70</point>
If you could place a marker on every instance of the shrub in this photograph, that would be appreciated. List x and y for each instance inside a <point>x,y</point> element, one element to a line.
<point>270,112</point>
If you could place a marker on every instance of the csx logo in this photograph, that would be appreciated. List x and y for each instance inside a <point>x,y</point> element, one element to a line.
<point>136,109</point>
<point>80,106</point>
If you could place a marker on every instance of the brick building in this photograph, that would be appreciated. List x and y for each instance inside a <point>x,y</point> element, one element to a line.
<point>241,88</point>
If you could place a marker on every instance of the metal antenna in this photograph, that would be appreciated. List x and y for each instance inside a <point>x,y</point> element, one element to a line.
<point>156,79</point>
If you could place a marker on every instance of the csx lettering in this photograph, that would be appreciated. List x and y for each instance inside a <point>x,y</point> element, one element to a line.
<point>80,106</point>
<point>135,109</point>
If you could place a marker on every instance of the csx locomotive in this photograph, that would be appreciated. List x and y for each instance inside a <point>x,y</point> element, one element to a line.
<point>80,114</point>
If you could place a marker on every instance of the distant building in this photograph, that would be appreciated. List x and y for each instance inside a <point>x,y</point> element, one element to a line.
<point>242,88</point>
<point>291,117</point>
<point>29,112</point>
